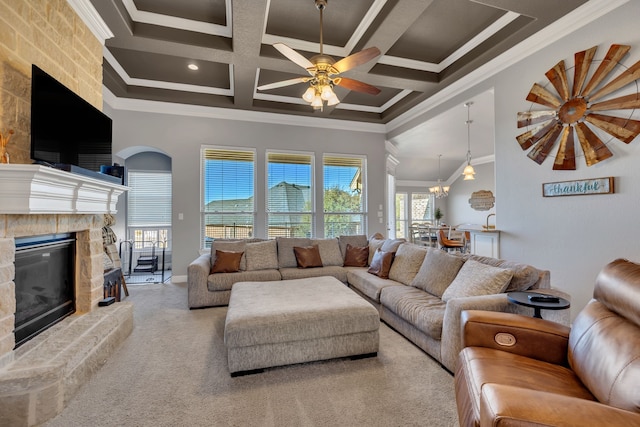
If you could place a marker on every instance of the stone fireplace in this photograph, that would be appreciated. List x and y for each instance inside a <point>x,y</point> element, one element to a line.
<point>38,378</point>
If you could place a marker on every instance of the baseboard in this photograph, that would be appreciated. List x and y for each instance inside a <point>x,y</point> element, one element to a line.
<point>178,279</point>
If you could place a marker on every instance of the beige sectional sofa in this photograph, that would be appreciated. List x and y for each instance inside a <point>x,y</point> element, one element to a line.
<point>423,297</point>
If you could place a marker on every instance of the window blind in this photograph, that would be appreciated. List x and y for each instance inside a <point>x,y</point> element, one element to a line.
<point>289,194</point>
<point>149,199</point>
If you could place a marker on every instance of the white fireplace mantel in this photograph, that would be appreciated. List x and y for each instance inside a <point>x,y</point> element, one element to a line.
<point>36,189</point>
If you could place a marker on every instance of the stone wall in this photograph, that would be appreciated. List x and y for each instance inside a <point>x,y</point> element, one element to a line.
<point>49,34</point>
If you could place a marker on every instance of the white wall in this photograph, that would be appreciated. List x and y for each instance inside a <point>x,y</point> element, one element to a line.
<point>456,207</point>
<point>180,137</point>
<point>573,237</point>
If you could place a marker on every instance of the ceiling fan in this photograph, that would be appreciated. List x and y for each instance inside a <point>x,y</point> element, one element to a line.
<point>325,71</point>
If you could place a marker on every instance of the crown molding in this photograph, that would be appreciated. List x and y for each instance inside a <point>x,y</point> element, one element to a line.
<point>89,15</point>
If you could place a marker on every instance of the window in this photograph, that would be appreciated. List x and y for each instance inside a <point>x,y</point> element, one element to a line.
<point>289,195</point>
<point>422,208</point>
<point>344,195</point>
<point>402,217</point>
<point>228,207</point>
<point>149,208</point>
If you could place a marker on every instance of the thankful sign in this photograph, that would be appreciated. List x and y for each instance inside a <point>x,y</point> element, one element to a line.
<point>578,188</point>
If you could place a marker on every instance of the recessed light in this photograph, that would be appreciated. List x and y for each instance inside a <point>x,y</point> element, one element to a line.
<point>193,67</point>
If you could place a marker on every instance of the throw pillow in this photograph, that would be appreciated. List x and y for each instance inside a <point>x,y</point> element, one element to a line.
<point>381,264</point>
<point>286,256</point>
<point>356,256</point>
<point>476,278</point>
<point>262,255</point>
<point>228,246</point>
<point>308,256</point>
<point>358,240</point>
<point>375,243</point>
<point>524,275</point>
<point>226,262</point>
<point>437,272</point>
<point>329,251</point>
<point>407,262</point>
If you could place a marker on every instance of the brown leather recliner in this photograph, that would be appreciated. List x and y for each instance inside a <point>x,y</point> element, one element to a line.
<point>521,371</point>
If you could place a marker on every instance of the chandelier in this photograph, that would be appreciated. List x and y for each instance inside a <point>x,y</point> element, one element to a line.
<point>439,190</point>
<point>468,171</point>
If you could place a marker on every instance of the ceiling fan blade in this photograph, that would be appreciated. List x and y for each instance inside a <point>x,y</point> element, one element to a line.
<point>594,149</point>
<point>356,85</point>
<point>284,83</point>
<point>293,56</point>
<point>566,157</point>
<point>558,78</point>
<point>356,59</point>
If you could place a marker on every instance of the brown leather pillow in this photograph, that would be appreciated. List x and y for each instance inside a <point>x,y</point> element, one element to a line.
<point>307,256</point>
<point>226,262</point>
<point>381,264</point>
<point>356,256</point>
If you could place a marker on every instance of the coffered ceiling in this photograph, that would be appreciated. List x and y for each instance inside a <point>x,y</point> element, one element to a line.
<point>426,46</point>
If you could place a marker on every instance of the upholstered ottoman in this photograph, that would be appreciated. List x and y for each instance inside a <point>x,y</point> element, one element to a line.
<point>293,321</point>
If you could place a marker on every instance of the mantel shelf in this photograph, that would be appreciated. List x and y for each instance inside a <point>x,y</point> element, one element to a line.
<point>36,189</point>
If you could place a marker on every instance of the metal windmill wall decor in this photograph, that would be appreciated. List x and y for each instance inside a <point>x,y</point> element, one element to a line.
<point>580,108</point>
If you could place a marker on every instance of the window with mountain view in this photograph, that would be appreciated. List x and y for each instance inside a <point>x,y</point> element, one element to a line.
<point>344,195</point>
<point>228,207</point>
<point>289,199</point>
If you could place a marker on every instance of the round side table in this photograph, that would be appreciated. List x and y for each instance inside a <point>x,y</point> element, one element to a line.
<point>532,299</point>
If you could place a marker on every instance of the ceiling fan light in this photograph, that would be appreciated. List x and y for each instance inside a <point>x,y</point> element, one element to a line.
<point>333,100</point>
<point>468,173</point>
<point>317,102</point>
<point>327,92</point>
<point>309,94</point>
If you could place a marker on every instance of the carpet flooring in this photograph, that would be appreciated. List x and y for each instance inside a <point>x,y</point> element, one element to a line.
<point>172,371</point>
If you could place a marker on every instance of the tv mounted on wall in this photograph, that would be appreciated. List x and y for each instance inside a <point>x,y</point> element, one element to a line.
<point>66,130</point>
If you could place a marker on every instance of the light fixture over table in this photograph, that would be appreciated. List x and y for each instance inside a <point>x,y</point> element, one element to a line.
<point>439,190</point>
<point>324,71</point>
<point>468,170</point>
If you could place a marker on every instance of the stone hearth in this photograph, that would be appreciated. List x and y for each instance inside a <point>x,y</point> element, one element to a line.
<point>39,378</point>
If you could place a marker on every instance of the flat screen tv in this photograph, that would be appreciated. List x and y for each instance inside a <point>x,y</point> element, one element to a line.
<point>66,129</point>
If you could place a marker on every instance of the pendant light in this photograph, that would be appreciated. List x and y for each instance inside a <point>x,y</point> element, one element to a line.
<point>468,170</point>
<point>439,190</point>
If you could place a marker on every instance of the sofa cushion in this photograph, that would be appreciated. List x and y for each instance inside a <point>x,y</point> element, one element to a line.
<point>358,240</point>
<point>329,251</point>
<point>392,245</point>
<point>286,256</point>
<point>224,281</point>
<point>307,256</point>
<point>437,271</point>
<point>419,308</point>
<point>261,255</point>
<point>407,262</point>
<point>356,256</point>
<point>381,264</point>
<point>368,284</point>
<point>226,262</point>
<point>302,273</point>
<point>476,278</point>
<point>229,246</point>
<point>524,275</point>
